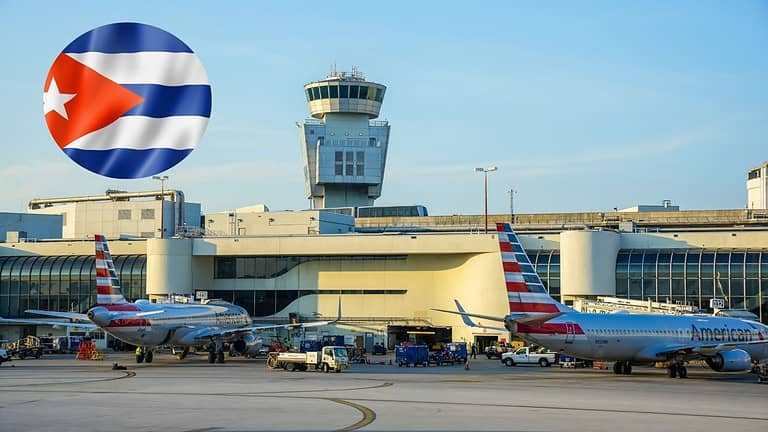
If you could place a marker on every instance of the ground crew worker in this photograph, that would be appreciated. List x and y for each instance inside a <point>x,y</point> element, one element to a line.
<point>139,355</point>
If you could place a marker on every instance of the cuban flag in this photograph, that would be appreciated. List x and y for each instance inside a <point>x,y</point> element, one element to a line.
<point>127,100</point>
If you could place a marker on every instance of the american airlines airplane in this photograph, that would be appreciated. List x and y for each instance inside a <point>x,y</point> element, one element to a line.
<point>725,344</point>
<point>149,325</point>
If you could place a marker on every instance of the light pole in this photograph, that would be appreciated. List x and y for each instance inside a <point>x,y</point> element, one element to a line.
<point>162,202</point>
<point>512,193</point>
<point>485,172</point>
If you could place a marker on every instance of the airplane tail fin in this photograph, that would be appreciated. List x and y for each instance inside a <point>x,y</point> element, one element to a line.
<point>525,289</point>
<point>107,285</point>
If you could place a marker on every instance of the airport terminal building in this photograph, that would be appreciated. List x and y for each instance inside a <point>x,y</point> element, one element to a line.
<point>282,263</point>
<point>388,271</point>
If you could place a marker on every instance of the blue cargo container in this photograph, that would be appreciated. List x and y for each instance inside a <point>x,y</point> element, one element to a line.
<point>333,340</point>
<point>456,351</point>
<point>412,355</point>
<point>310,346</point>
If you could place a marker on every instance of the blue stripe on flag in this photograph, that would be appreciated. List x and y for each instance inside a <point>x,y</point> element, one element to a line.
<point>127,163</point>
<point>126,38</point>
<point>167,101</point>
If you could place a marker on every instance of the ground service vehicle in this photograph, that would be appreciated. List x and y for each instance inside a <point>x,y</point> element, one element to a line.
<point>28,346</point>
<point>330,358</point>
<point>527,355</point>
<point>4,357</point>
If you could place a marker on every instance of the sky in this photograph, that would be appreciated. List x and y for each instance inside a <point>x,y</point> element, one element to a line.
<point>583,106</point>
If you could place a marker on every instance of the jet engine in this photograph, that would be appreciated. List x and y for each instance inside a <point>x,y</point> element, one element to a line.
<point>735,360</point>
<point>99,315</point>
<point>248,346</point>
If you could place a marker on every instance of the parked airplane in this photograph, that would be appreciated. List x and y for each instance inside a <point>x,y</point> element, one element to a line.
<point>148,325</point>
<point>725,344</point>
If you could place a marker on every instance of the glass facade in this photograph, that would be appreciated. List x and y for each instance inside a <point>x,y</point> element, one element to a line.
<point>345,92</point>
<point>264,302</point>
<point>270,267</point>
<point>62,283</point>
<point>547,264</point>
<point>682,276</point>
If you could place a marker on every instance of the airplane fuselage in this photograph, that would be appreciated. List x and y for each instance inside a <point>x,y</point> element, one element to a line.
<point>149,324</point>
<point>638,338</point>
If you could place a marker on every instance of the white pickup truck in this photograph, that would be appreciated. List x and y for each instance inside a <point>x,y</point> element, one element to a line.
<point>528,355</point>
<point>330,358</point>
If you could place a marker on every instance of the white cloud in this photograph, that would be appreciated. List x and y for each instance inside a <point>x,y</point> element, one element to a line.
<point>541,166</point>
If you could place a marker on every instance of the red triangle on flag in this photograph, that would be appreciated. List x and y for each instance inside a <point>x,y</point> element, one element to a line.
<point>99,101</point>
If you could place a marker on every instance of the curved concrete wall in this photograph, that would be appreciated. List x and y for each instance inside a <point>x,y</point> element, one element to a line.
<point>588,263</point>
<point>169,267</point>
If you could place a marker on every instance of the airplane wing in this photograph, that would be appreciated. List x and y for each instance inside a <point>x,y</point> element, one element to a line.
<point>212,332</point>
<point>82,325</point>
<point>710,350</point>
<point>465,316</point>
<point>698,351</point>
<point>68,315</point>
<point>522,318</point>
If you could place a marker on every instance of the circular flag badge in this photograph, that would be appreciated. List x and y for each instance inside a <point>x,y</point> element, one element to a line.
<point>127,100</point>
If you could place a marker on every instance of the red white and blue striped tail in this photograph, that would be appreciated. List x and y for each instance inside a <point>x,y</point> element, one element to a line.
<point>525,290</point>
<point>107,285</point>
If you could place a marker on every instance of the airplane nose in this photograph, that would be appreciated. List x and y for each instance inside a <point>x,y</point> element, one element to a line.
<point>99,315</point>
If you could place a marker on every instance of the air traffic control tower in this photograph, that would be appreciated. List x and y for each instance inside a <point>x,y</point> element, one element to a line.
<point>344,148</point>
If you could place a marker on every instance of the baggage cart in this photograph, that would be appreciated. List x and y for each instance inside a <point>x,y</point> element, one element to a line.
<point>412,355</point>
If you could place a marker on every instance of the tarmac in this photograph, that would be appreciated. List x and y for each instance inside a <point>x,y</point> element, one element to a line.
<point>59,393</point>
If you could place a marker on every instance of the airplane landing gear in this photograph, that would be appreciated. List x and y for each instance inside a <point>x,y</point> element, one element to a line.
<point>182,354</point>
<point>677,370</point>
<point>622,368</point>
<point>216,352</point>
<point>143,354</point>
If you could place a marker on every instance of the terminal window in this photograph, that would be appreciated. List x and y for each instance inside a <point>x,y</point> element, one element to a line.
<point>360,163</point>
<point>124,215</point>
<point>147,213</point>
<point>339,168</point>
<point>350,163</point>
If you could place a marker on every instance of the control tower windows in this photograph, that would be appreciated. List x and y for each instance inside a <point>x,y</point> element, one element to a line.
<point>343,91</point>
<point>333,91</point>
<point>324,92</point>
<point>363,92</point>
<point>316,93</point>
<point>309,95</point>
<point>353,90</point>
<point>379,95</point>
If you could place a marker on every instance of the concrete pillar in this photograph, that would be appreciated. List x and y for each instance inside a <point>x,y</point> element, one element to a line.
<point>588,263</point>
<point>169,267</point>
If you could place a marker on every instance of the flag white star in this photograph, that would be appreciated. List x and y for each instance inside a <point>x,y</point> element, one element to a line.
<point>53,100</point>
